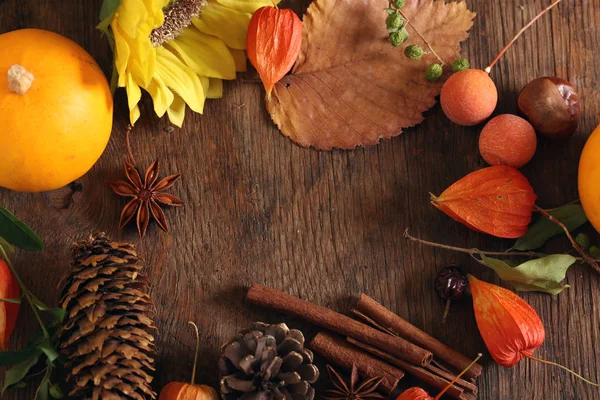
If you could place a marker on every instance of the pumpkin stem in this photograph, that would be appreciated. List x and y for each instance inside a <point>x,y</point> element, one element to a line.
<point>457,377</point>
<point>19,79</point>
<point>562,367</point>
<point>196,353</point>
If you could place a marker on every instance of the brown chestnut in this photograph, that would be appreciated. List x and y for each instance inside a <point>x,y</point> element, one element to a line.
<point>551,104</point>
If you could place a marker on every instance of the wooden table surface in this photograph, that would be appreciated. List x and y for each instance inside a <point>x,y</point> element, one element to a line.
<point>324,226</point>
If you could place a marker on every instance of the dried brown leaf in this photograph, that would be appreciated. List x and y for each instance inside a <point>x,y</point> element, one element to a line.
<point>350,87</point>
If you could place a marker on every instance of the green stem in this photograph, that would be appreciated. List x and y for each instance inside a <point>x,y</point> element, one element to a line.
<point>26,292</point>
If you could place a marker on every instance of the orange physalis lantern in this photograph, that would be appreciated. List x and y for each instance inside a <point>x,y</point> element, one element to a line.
<point>510,328</point>
<point>495,200</point>
<point>273,43</point>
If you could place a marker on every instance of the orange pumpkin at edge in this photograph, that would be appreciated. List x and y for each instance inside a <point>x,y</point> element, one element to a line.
<point>56,111</point>
<point>589,178</point>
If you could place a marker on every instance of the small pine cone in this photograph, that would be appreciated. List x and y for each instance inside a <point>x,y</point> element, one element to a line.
<point>107,339</point>
<point>267,362</point>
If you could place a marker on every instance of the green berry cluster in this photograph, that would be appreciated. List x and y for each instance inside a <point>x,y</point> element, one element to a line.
<point>584,242</point>
<point>395,26</point>
<point>395,23</point>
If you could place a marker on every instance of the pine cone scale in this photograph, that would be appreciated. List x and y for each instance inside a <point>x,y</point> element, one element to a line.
<point>107,339</point>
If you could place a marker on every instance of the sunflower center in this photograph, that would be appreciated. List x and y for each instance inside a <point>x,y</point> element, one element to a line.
<point>178,16</point>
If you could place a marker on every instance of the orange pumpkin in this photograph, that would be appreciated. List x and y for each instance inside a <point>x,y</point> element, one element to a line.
<point>589,179</point>
<point>55,111</point>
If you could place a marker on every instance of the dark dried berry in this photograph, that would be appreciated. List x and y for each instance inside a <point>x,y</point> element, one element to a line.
<point>450,283</point>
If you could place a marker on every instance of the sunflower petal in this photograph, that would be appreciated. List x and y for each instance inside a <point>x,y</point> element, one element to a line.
<point>205,54</point>
<point>159,216</point>
<point>181,79</point>
<point>228,24</point>
<point>162,97</point>
<point>176,111</point>
<point>239,57</point>
<point>215,88</point>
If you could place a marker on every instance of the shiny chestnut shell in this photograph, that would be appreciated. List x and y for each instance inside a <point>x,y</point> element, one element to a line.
<point>551,105</point>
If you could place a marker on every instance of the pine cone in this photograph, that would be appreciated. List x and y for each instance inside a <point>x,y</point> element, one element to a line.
<point>107,338</point>
<point>267,362</point>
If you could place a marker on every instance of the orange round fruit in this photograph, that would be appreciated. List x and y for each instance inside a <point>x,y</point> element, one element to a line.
<point>507,140</point>
<point>589,179</point>
<point>469,97</point>
<point>56,111</point>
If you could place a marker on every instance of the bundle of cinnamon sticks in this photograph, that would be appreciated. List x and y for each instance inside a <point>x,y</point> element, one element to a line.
<point>381,344</point>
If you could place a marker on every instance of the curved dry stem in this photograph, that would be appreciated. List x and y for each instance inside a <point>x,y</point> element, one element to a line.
<point>196,352</point>
<point>514,39</point>
<point>473,252</point>
<point>562,367</point>
<point>584,256</point>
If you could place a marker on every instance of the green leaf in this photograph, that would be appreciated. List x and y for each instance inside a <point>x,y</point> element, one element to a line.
<point>16,232</point>
<point>44,388</point>
<point>15,357</point>
<point>390,11</point>
<point>109,7</point>
<point>7,247</point>
<point>13,301</point>
<point>57,313</point>
<point>572,215</point>
<point>56,392</point>
<point>48,350</point>
<point>17,373</point>
<point>540,275</point>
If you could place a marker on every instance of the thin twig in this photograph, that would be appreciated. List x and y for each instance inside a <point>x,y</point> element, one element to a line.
<point>473,252</point>
<point>514,39</point>
<point>128,144</point>
<point>585,256</point>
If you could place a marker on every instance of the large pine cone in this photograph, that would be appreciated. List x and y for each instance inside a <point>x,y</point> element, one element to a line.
<point>107,338</point>
<point>267,362</point>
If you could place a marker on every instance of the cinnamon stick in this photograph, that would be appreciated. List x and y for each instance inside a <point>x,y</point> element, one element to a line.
<point>339,352</point>
<point>391,322</point>
<point>430,378</point>
<point>339,323</point>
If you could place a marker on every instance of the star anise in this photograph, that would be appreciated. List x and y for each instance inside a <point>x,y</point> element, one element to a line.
<point>147,196</point>
<point>350,390</point>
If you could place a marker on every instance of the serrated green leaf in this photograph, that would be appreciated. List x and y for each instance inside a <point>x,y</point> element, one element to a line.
<point>7,246</point>
<point>15,357</point>
<point>544,274</point>
<point>16,232</point>
<point>17,373</point>
<point>542,230</point>
<point>56,392</point>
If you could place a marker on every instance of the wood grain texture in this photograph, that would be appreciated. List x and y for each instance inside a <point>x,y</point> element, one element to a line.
<point>324,226</point>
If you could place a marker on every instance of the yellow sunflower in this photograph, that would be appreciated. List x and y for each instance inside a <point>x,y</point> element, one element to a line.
<point>179,51</point>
